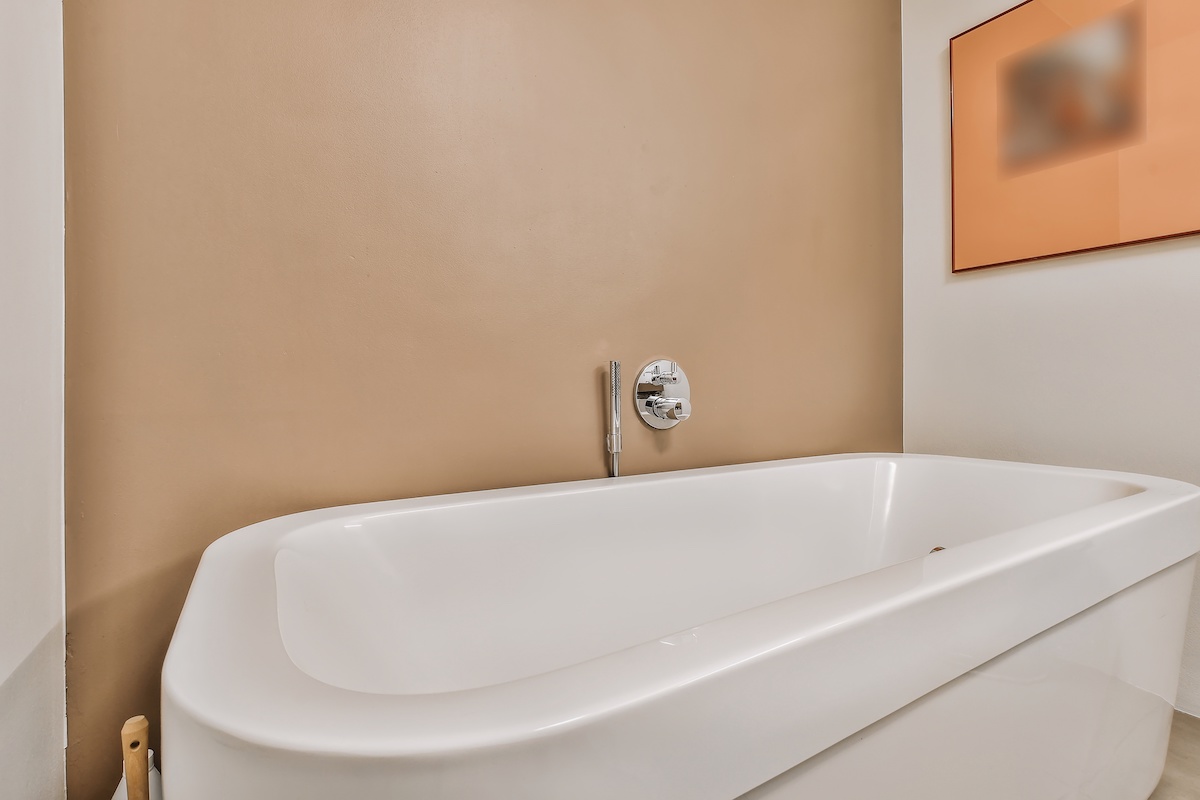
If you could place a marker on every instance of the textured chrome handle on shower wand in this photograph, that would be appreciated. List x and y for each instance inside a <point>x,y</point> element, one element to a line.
<point>614,418</point>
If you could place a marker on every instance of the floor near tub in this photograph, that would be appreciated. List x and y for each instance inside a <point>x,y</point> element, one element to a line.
<point>1181,780</point>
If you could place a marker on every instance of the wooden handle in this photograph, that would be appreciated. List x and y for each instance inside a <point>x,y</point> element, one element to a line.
<point>135,743</point>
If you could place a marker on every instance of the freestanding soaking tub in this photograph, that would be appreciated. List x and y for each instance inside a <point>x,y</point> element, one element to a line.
<point>768,631</point>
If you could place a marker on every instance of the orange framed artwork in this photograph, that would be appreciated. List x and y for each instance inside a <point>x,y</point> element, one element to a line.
<point>1075,127</point>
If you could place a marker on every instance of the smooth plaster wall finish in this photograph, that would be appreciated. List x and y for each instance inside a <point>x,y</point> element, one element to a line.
<point>321,253</point>
<point>31,400</point>
<point>1086,361</point>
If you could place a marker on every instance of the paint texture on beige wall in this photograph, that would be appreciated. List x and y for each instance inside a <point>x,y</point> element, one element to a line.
<point>321,253</point>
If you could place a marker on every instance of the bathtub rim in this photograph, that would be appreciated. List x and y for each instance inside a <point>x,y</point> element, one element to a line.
<point>202,678</point>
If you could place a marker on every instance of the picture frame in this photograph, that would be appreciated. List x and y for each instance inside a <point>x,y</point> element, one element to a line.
<point>1075,127</point>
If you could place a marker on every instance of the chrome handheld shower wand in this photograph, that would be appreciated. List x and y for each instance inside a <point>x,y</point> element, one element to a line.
<point>614,418</point>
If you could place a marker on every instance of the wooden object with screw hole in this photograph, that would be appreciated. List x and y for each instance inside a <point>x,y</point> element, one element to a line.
<point>135,743</point>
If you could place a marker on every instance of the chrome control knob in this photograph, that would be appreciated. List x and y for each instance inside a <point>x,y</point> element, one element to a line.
<point>672,408</point>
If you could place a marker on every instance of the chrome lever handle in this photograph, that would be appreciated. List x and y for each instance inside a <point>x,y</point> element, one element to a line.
<point>669,377</point>
<point>673,408</point>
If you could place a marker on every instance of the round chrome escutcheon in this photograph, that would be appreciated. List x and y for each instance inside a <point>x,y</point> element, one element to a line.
<point>662,394</point>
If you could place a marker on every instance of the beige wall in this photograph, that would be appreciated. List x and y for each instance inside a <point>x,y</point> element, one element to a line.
<point>32,704</point>
<point>1086,361</point>
<point>322,253</point>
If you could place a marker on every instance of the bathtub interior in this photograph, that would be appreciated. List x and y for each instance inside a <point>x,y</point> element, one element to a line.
<point>481,591</point>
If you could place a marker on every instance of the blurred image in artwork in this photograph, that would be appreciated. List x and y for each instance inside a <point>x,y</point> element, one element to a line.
<point>1075,96</point>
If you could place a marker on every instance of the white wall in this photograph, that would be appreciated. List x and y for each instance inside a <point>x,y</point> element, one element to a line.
<point>32,727</point>
<point>1089,361</point>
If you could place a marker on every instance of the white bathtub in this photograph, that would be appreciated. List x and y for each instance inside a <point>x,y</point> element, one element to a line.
<point>769,631</point>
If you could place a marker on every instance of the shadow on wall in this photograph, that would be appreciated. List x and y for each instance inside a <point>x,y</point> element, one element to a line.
<point>145,626</point>
<point>31,719</point>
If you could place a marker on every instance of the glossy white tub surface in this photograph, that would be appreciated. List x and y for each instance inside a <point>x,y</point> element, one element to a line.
<point>775,630</point>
